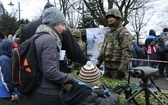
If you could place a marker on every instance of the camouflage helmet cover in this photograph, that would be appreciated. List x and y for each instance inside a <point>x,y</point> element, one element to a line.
<point>76,33</point>
<point>113,12</point>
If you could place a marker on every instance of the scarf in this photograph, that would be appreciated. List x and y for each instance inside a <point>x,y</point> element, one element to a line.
<point>44,28</point>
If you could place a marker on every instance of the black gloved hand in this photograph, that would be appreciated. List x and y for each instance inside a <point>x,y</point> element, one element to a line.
<point>102,93</point>
<point>99,92</point>
<point>98,65</point>
<point>120,75</point>
<point>106,93</point>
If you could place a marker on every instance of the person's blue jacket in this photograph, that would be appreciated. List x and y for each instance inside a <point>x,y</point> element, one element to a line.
<point>7,87</point>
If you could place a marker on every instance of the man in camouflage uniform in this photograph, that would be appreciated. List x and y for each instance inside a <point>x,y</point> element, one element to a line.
<point>117,49</point>
<point>78,37</point>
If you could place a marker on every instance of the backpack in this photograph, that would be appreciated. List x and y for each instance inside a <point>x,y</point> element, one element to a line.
<point>152,47</point>
<point>26,72</point>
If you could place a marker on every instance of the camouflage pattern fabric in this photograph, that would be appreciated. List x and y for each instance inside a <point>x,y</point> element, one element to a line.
<point>113,12</point>
<point>117,49</point>
<point>77,35</point>
<point>111,69</point>
<point>82,46</point>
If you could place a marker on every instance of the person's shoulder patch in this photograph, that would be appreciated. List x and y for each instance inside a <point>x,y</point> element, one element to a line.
<point>126,34</point>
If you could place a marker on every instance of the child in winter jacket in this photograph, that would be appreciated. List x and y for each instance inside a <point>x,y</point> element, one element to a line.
<point>86,92</point>
<point>8,91</point>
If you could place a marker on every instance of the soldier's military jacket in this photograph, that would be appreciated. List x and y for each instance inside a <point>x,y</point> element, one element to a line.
<point>117,46</point>
<point>82,46</point>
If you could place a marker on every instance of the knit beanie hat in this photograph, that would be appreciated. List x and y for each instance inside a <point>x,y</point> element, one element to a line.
<point>165,30</point>
<point>89,74</point>
<point>48,5</point>
<point>53,17</point>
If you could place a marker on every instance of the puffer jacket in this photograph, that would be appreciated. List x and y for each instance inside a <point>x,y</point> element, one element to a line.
<point>161,47</point>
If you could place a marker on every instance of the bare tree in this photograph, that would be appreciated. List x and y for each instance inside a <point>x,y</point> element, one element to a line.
<point>138,19</point>
<point>98,8</point>
<point>163,18</point>
<point>126,7</point>
<point>69,8</point>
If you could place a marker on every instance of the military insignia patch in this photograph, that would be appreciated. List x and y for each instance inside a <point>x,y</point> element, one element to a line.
<point>126,34</point>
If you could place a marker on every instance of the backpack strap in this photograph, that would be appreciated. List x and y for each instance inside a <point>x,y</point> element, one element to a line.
<point>118,35</point>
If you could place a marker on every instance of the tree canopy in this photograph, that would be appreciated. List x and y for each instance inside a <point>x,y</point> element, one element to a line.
<point>9,24</point>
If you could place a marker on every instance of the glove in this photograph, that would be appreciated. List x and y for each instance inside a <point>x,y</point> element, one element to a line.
<point>102,93</point>
<point>106,93</point>
<point>123,67</point>
<point>99,92</point>
<point>120,75</point>
<point>98,66</point>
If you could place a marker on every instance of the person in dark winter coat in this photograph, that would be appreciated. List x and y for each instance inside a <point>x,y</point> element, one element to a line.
<point>163,52</point>
<point>86,92</point>
<point>73,50</point>
<point>48,46</point>
<point>149,39</point>
<point>8,91</point>
<point>135,54</point>
<point>153,53</point>
<point>142,54</point>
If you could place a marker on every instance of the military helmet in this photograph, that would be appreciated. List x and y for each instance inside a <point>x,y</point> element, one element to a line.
<point>113,12</point>
<point>76,33</point>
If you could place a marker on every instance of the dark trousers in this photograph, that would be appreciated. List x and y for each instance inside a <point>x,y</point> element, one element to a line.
<point>41,99</point>
<point>163,66</point>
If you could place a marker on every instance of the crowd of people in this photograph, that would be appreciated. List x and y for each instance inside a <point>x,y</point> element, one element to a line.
<point>116,53</point>
<point>153,52</point>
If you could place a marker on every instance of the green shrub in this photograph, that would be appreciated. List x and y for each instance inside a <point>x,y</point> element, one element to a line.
<point>140,98</point>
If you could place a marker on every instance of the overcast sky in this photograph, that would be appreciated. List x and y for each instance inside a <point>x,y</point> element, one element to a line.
<point>32,8</point>
<point>28,8</point>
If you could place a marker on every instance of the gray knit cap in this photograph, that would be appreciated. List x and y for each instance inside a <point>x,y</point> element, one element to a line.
<point>53,17</point>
